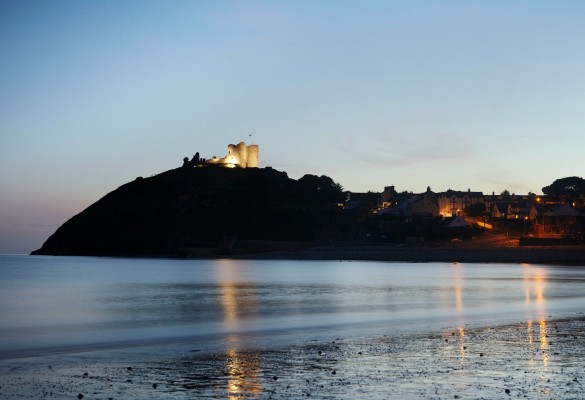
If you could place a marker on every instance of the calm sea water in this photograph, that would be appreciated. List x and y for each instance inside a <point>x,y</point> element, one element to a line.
<point>50,304</point>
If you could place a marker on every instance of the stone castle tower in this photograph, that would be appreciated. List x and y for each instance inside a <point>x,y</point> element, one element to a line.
<point>239,155</point>
<point>243,156</point>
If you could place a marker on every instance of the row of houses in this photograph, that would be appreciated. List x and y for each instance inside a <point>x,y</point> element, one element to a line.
<point>453,203</point>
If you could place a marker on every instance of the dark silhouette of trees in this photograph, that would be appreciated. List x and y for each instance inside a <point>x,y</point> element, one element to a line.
<point>475,210</point>
<point>567,189</point>
<point>322,189</point>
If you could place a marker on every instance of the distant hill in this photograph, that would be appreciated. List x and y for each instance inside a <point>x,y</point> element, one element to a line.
<point>188,208</point>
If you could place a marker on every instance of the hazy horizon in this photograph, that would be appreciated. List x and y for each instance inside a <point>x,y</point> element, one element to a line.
<point>452,95</point>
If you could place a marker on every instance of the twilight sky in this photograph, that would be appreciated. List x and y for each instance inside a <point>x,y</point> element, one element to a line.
<point>487,95</point>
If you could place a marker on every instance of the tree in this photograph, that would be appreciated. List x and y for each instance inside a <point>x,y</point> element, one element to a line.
<point>475,210</point>
<point>323,188</point>
<point>322,182</point>
<point>566,189</point>
<point>505,193</point>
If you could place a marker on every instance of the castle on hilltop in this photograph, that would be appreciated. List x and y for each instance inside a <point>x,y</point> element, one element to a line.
<point>239,155</point>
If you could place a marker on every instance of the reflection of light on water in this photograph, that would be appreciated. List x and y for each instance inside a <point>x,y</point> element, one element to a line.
<point>243,373</point>
<point>530,344</point>
<point>459,308</point>
<point>458,291</point>
<point>457,345</point>
<point>535,281</point>
<point>237,298</point>
<point>229,305</point>
<point>462,347</point>
<point>543,343</point>
<point>458,295</point>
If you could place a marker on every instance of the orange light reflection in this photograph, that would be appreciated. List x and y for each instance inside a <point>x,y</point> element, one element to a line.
<point>238,300</point>
<point>535,281</point>
<point>458,291</point>
<point>243,370</point>
<point>462,347</point>
<point>543,341</point>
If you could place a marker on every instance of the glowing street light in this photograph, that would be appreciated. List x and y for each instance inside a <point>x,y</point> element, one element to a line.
<point>538,200</point>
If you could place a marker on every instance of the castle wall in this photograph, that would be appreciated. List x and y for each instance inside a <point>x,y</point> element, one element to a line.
<point>252,157</point>
<point>243,153</point>
<point>239,155</point>
<point>233,156</point>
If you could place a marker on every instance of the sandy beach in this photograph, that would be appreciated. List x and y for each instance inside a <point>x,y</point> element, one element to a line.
<point>529,359</point>
<point>537,353</point>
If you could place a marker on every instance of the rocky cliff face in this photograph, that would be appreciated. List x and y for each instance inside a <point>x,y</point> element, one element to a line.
<point>188,208</point>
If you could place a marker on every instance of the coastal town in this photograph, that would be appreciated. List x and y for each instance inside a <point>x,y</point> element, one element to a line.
<point>557,216</point>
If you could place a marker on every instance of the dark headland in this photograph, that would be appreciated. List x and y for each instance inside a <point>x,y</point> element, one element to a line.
<point>216,211</point>
<point>204,211</point>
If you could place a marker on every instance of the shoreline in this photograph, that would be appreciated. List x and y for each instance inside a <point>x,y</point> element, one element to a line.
<point>539,358</point>
<point>563,255</point>
<point>452,253</point>
<point>498,248</point>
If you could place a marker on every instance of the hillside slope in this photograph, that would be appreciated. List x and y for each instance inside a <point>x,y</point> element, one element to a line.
<point>196,208</point>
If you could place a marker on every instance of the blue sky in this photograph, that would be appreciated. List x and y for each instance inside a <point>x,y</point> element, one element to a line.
<point>487,95</point>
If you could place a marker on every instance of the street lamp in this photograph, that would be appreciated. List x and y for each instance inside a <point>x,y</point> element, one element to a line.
<point>524,231</point>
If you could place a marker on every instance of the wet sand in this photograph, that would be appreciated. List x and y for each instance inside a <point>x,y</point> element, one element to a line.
<point>542,359</point>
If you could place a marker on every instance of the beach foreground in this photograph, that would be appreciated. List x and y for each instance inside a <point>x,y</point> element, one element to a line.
<point>532,359</point>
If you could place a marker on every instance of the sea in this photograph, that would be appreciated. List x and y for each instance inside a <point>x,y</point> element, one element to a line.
<point>61,305</point>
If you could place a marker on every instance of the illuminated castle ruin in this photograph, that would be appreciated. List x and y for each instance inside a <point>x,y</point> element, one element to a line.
<point>239,155</point>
